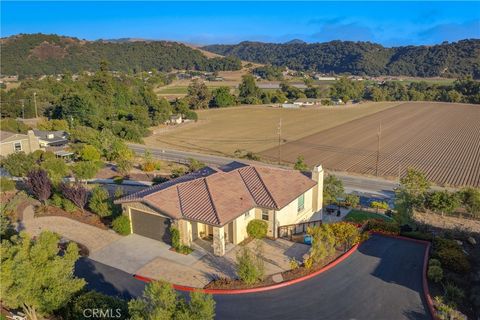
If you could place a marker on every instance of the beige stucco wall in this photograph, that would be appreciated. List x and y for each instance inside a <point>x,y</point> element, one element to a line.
<point>290,215</point>
<point>240,226</point>
<point>29,144</point>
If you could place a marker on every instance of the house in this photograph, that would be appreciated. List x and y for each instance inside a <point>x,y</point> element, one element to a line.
<point>175,119</point>
<point>307,102</point>
<point>51,138</point>
<point>15,142</point>
<point>290,106</point>
<point>218,203</point>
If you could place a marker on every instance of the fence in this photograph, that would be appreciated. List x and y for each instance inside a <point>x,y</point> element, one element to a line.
<point>290,230</point>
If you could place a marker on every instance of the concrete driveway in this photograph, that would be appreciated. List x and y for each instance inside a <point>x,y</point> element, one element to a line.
<point>132,252</point>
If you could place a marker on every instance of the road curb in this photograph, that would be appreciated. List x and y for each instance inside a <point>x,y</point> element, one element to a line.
<point>261,289</point>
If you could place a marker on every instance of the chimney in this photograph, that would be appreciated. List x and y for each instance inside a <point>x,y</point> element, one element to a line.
<point>317,175</point>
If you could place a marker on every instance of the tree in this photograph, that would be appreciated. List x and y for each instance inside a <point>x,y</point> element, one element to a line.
<point>413,187</point>
<point>249,265</point>
<point>76,193</point>
<point>83,305</point>
<point>470,199</point>
<point>198,95</point>
<point>89,153</point>
<point>6,184</point>
<point>194,164</point>
<point>249,92</point>
<point>323,242</point>
<point>56,168</point>
<point>222,98</point>
<point>352,200</point>
<point>300,164</point>
<point>35,277</point>
<point>148,162</point>
<point>39,184</point>
<point>346,234</point>
<point>53,125</point>
<point>332,189</point>
<point>382,205</point>
<point>100,202</point>
<point>442,201</point>
<point>85,169</point>
<point>160,301</point>
<point>18,164</point>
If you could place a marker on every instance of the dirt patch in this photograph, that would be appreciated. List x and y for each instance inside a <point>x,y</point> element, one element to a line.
<point>84,217</point>
<point>447,223</point>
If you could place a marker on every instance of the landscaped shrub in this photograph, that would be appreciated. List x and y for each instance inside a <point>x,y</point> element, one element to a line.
<point>121,225</point>
<point>346,234</point>
<point>257,229</point>
<point>418,235</point>
<point>323,243</point>
<point>435,273</point>
<point>159,179</point>
<point>249,266</point>
<point>446,312</point>
<point>451,255</point>
<point>453,294</point>
<point>383,226</point>
<point>100,202</point>
<point>92,300</point>
<point>294,264</point>
<point>148,167</point>
<point>68,205</point>
<point>6,185</point>
<point>56,200</point>
<point>175,235</point>
<point>434,262</point>
<point>118,180</point>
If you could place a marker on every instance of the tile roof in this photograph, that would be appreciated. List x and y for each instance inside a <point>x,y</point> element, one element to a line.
<point>217,196</point>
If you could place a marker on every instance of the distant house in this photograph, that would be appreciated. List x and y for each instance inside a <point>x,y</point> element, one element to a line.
<point>290,106</point>
<point>216,204</point>
<point>305,102</point>
<point>15,142</point>
<point>51,138</point>
<point>175,119</point>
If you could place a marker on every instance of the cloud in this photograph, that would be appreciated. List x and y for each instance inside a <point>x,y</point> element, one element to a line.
<point>450,32</point>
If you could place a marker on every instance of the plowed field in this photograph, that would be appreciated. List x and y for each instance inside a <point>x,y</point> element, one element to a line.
<point>440,139</point>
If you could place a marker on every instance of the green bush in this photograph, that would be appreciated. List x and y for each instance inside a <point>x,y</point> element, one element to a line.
<point>418,235</point>
<point>453,294</point>
<point>56,200</point>
<point>249,266</point>
<point>68,205</point>
<point>451,255</point>
<point>94,300</point>
<point>6,185</point>
<point>383,226</point>
<point>118,180</point>
<point>435,273</point>
<point>100,202</point>
<point>434,262</point>
<point>121,225</point>
<point>175,234</point>
<point>257,229</point>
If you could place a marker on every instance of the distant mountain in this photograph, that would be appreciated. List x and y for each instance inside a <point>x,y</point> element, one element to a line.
<point>363,58</point>
<point>295,41</point>
<point>39,54</point>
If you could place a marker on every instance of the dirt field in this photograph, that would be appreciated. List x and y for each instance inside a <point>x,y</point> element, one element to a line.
<point>440,139</point>
<point>254,128</point>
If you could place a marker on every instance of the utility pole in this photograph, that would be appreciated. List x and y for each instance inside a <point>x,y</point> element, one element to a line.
<point>279,131</point>
<point>23,108</point>
<point>35,103</point>
<point>379,135</point>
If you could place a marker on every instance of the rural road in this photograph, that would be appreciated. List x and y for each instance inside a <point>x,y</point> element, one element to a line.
<point>350,182</point>
<point>370,284</point>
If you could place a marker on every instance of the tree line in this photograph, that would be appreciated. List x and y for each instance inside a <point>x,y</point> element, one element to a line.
<point>363,58</point>
<point>41,54</point>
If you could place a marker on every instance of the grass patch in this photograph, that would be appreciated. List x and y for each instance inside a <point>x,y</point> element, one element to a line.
<point>361,216</point>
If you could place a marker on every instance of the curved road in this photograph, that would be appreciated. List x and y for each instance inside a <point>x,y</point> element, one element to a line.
<point>382,280</point>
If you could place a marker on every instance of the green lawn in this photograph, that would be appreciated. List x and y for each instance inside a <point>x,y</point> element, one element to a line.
<point>361,216</point>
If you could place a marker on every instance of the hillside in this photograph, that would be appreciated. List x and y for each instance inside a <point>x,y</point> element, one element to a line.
<point>363,58</point>
<point>38,54</point>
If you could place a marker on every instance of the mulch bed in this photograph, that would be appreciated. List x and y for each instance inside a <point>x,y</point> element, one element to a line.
<point>226,283</point>
<point>84,217</point>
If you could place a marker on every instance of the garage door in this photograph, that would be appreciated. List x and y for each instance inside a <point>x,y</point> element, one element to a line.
<point>151,226</point>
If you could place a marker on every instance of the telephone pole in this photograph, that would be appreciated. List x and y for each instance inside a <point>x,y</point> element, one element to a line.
<point>35,103</point>
<point>23,108</point>
<point>279,131</point>
<point>379,135</point>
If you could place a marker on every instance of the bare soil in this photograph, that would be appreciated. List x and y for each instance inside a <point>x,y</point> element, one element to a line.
<point>84,217</point>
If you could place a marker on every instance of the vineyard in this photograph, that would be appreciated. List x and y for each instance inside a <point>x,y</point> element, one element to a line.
<point>440,139</point>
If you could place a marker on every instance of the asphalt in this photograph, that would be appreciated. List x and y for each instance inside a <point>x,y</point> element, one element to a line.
<point>381,280</point>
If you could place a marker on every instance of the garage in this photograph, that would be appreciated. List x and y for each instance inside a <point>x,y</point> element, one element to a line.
<point>150,225</point>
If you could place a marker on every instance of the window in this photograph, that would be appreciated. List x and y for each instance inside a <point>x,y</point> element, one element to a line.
<point>17,146</point>
<point>301,203</point>
<point>247,215</point>
<point>265,215</point>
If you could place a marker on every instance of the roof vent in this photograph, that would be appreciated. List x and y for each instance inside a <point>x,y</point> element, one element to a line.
<point>50,136</point>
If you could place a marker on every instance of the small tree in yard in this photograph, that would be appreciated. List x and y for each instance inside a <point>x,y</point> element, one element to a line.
<point>352,200</point>
<point>250,267</point>
<point>379,205</point>
<point>323,242</point>
<point>121,225</point>
<point>84,170</point>
<point>160,301</point>
<point>257,229</point>
<point>100,202</point>
<point>300,164</point>
<point>442,201</point>
<point>470,199</point>
<point>35,277</point>
<point>194,164</point>
<point>76,193</point>
<point>39,184</point>
<point>346,234</point>
<point>332,189</point>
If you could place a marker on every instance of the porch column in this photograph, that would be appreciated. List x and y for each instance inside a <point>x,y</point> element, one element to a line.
<point>218,241</point>
<point>185,229</point>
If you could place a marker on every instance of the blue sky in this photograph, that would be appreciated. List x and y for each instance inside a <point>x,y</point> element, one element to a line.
<point>388,23</point>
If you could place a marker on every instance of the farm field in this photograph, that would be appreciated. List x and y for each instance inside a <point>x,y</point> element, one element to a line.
<point>440,139</point>
<point>255,128</point>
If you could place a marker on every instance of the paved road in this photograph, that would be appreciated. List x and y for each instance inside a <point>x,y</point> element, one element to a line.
<point>351,182</point>
<point>382,280</point>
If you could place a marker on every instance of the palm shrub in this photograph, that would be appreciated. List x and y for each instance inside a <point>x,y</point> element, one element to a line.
<point>121,225</point>
<point>257,229</point>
